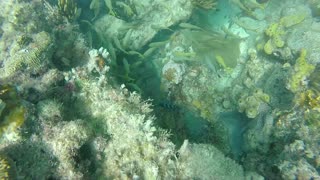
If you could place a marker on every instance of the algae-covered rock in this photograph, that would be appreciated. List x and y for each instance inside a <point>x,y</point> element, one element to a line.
<point>31,57</point>
<point>278,41</point>
<point>204,161</point>
<point>288,21</point>
<point>268,47</point>
<point>276,32</point>
<point>302,70</point>
<point>307,37</point>
<point>151,17</point>
<point>251,104</point>
<point>7,168</point>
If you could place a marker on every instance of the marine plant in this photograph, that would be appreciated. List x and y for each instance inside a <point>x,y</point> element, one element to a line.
<point>12,114</point>
<point>68,8</point>
<point>109,5</point>
<point>248,6</point>
<point>121,9</point>
<point>95,7</point>
<point>7,168</point>
<point>127,10</point>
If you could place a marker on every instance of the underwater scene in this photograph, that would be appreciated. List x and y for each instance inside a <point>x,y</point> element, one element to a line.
<point>159,89</point>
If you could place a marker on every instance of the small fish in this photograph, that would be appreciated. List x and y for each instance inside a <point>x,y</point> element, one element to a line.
<point>95,6</point>
<point>111,50</point>
<point>184,54</point>
<point>117,43</point>
<point>149,51</point>
<point>110,8</point>
<point>158,44</point>
<point>126,39</point>
<point>190,26</point>
<point>169,105</point>
<point>127,9</point>
<point>158,28</point>
<point>134,87</point>
<point>126,66</point>
<point>136,64</point>
<point>136,53</point>
<point>128,26</point>
<point>262,1</point>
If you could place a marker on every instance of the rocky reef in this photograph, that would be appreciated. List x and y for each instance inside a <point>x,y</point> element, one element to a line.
<point>142,89</point>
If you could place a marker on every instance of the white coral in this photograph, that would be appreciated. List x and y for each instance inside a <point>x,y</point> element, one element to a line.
<point>98,55</point>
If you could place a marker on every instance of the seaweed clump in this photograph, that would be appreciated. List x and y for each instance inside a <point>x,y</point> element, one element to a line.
<point>12,113</point>
<point>7,168</point>
<point>310,98</point>
<point>68,8</point>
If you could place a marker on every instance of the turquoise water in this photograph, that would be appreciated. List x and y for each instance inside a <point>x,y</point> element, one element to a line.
<point>141,89</point>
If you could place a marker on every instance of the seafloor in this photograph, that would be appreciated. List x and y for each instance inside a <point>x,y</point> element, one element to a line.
<point>166,89</point>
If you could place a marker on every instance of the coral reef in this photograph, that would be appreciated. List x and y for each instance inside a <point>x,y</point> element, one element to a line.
<point>275,31</point>
<point>32,159</point>
<point>251,104</point>
<point>142,29</point>
<point>132,134</point>
<point>172,73</point>
<point>33,56</point>
<point>20,21</point>
<point>64,140</point>
<point>302,70</point>
<point>206,162</point>
<point>139,90</point>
